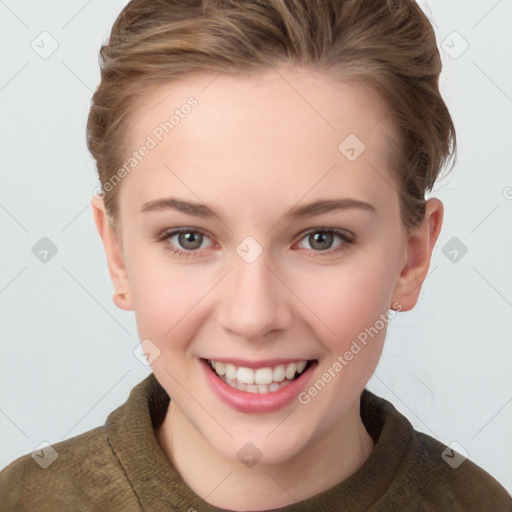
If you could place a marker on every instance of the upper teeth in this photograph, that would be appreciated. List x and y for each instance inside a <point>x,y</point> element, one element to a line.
<point>259,376</point>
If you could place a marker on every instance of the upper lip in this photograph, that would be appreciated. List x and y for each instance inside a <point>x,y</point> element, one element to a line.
<point>262,363</point>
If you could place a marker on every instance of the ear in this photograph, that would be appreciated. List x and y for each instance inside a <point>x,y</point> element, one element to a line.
<point>420,244</point>
<point>114,252</point>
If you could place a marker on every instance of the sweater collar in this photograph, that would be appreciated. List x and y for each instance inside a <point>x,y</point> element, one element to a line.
<point>130,431</point>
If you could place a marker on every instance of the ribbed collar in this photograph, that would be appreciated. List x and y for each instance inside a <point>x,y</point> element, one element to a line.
<point>385,477</point>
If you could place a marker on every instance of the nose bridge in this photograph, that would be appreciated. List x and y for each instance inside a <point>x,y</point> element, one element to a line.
<point>255,302</point>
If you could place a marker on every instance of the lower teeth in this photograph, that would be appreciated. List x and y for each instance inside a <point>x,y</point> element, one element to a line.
<point>255,388</point>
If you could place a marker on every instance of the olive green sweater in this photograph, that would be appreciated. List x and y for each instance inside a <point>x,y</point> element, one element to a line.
<point>121,467</point>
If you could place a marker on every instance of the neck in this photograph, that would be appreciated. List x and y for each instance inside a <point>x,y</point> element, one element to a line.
<point>326,462</point>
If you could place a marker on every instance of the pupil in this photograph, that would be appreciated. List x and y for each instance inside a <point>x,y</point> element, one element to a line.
<point>190,238</point>
<point>322,238</point>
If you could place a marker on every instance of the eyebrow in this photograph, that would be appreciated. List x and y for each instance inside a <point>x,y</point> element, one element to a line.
<point>297,212</point>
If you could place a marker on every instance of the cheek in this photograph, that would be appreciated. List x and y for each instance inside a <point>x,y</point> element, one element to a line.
<point>165,295</point>
<point>353,305</point>
<point>347,299</point>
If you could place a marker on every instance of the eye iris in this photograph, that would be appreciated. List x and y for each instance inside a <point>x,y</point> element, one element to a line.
<point>190,237</point>
<point>321,237</point>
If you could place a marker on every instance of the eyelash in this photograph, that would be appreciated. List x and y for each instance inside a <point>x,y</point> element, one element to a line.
<point>348,239</point>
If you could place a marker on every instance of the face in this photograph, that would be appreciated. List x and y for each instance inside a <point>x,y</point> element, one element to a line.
<point>261,229</point>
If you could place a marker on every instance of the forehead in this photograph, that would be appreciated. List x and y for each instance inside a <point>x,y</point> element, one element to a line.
<point>293,130</point>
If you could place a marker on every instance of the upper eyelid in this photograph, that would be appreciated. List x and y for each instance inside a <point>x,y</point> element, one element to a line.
<point>329,230</point>
<point>167,233</point>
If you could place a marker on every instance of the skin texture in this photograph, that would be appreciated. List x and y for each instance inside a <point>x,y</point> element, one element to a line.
<point>251,149</point>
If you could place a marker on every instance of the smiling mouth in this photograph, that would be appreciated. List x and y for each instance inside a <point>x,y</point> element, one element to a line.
<point>260,380</point>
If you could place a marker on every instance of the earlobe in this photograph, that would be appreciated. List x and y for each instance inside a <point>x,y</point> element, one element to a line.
<point>120,300</point>
<point>420,245</point>
<point>114,254</point>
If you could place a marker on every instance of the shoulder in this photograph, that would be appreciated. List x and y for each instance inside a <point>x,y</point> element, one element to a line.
<point>81,473</point>
<point>455,483</point>
<point>425,474</point>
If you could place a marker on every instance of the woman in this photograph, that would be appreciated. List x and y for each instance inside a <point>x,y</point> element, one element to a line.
<point>264,168</point>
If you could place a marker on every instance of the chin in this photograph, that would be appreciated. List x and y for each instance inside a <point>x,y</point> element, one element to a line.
<point>259,450</point>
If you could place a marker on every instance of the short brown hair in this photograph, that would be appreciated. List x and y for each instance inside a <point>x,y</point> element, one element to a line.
<point>389,45</point>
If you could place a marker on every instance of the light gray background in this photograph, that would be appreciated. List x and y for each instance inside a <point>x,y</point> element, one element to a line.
<point>66,351</point>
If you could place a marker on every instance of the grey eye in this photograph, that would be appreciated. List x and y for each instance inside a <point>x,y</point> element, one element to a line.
<point>321,240</point>
<point>190,240</point>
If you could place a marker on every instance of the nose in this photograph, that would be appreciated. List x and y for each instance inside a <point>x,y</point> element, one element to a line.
<point>255,302</point>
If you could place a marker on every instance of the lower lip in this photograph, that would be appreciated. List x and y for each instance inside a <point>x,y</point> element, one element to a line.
<point>256,402</point>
